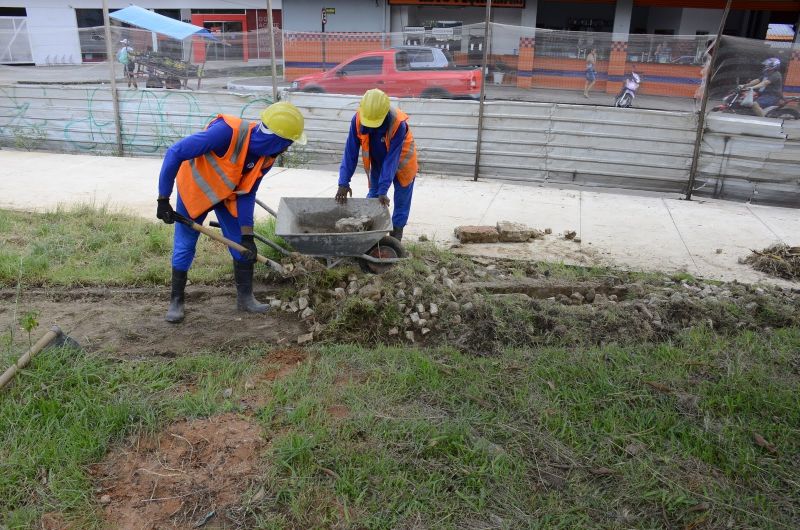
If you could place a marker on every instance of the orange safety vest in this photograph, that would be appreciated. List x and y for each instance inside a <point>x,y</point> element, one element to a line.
<point>209,179</point>
<point>408,167</point>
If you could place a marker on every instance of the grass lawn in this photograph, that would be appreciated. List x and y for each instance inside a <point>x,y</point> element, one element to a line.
<point>94,246</point>
<point>698,431</point>
<point>652,437</point>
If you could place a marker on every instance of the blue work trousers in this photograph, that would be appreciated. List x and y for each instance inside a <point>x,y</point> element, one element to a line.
<point>185,241</point>
<point>402,200</point>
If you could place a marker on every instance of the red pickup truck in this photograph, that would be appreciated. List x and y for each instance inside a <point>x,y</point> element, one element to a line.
<point>391,71</point>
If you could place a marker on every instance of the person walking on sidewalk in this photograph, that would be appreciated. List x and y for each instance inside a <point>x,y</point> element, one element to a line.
<point>125,57</point>
<point>220,169</point>
<point>591,73</point>
<point>388,152</point>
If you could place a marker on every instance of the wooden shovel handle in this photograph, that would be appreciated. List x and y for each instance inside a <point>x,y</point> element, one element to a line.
<point>23,361</point>
<point>216,236</point>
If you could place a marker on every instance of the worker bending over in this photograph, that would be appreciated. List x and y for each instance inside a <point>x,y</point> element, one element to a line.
<point>220,169</point>
<point>388,152</point>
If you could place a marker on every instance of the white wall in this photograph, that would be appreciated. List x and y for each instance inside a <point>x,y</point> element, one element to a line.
<point>54,35</point>
<point>694,20</point>
<point>305,15</point>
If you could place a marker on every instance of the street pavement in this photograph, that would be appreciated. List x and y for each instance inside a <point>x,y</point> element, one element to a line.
<point>223,76</point>
<point>637,231</point>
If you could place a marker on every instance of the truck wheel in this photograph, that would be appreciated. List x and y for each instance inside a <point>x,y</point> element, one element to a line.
<point>436,93</point>
<point>313,90</point>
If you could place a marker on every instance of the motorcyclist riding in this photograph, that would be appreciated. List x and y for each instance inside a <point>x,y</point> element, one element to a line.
<point>769,87</point>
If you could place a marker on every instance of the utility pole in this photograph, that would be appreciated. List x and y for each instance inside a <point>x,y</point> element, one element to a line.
<point>114,95</point>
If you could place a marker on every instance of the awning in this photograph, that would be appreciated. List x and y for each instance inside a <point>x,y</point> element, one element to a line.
<point>138,16</point>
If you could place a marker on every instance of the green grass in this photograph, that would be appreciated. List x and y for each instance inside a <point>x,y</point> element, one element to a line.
<point>551,438</point>
<point>86,245</point>
<point>629,435</point>
<point>447,440</point>
<point>64,411</point>
<point>266,228</point>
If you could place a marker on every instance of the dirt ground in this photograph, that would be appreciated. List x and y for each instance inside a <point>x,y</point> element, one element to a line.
<point>192,472</point>
<point>129,323</point>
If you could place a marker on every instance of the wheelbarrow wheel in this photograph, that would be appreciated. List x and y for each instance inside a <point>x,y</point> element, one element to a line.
<point>387,247</point>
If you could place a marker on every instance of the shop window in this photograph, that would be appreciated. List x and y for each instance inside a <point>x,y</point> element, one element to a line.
<point>91,34</point>
<point>13,12</point>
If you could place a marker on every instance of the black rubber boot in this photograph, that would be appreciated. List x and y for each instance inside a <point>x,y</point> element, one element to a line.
<point>245,301</point>
<point>397,233</point>
<point>175,311</point>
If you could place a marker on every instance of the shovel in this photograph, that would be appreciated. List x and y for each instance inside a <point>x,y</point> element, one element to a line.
<point>225,241</point>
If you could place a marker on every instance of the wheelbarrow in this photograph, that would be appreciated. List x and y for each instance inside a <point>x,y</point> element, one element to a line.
<point>308,224</point>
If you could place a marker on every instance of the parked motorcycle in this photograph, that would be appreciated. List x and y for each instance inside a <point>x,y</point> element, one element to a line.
<point>788,108</point>
<point>626,96</point>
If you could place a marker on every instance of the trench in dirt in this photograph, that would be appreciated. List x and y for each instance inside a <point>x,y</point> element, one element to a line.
<point>130,322</point>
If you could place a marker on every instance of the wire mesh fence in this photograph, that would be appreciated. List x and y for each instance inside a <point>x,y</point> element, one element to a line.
<point>522,63</point>
<point>169,88</point>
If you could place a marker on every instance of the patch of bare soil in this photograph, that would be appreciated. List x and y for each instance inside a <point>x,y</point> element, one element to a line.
<point>130,322</point>
<point>53,521</point>
<point>179,478</point>
<point>338,412</point>
<point>280,363</point>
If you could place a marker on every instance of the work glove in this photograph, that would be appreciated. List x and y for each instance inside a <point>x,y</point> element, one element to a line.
<point>342,193</point>
<point>384,200</point>
<point>249,242</point>
<point>165,211</point>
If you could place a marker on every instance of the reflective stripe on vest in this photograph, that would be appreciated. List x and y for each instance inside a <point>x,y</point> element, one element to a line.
<point>240,138</point>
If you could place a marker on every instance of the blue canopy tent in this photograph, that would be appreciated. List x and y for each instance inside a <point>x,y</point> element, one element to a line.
<point>138,16</point>
<point>151,21</point>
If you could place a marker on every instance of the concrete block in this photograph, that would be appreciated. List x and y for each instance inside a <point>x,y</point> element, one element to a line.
<point>477,234</point>
<point>353,224</point>
<point>511,232</point>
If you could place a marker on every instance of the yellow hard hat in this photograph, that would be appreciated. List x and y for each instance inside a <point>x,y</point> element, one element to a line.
<point>285,120</point>
<point>374,108</point>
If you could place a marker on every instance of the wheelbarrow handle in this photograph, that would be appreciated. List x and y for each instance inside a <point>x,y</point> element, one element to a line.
<point>272,212</point>
<point>264,240</point>
<point>225,241</point>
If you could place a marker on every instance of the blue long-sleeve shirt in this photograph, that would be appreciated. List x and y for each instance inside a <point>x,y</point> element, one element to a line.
<point>383,162</point>
<point>217,138</point>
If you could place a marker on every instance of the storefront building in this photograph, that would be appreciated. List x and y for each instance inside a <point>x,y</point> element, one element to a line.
<point>539,43</point>
<point>48,32</point>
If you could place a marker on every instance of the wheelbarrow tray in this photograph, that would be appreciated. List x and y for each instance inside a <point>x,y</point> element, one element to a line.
<point>308,225</point>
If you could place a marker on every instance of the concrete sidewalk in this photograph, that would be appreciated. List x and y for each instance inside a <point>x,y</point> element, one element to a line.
<point>633,231</point>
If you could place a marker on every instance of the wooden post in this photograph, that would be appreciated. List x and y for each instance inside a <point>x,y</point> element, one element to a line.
<point>701,118</point>
<point>486,40</point>
<point>114,95</point>
<point>272,52</point>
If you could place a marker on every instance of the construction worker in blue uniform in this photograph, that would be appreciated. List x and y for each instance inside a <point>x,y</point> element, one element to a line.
<point>388,152</point>
<point>220,169</point>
